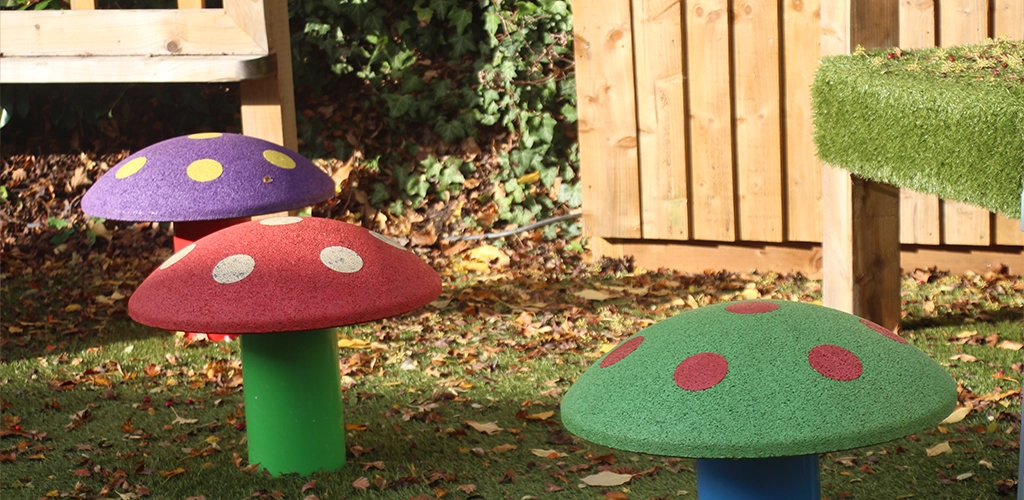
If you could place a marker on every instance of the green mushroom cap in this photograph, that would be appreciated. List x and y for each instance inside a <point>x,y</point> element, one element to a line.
<point>758,379</point>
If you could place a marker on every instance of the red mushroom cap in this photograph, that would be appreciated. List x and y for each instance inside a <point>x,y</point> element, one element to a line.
<point>284,274</point>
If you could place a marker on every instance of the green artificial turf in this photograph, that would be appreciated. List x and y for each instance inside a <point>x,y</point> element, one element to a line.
<point>458,401</point>
<point>946,121</point>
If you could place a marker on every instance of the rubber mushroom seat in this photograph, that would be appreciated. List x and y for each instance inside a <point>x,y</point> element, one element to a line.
<point>206,182</point>
<point>755,390</point>
<point>284,284</point>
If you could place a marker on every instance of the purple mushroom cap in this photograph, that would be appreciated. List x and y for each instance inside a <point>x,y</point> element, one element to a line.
<point>205,177</point>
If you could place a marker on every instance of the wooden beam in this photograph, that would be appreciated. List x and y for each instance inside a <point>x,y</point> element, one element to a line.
<point>860,219</point>
<point>268,104</point>
<point>134,69</point>
<point>54,33</point>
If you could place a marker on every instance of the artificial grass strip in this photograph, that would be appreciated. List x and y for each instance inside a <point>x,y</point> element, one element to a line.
<point>758,379</point>
<point>946,121</point>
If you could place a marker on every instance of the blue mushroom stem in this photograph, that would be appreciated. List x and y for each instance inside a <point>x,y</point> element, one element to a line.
<point>779,478</point>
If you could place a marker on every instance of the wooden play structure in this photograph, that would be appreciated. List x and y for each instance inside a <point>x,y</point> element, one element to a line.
<point>246,41</point>
<point>696,148</point>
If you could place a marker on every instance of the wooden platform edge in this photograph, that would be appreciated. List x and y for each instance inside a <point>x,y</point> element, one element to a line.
<point>135,69</point>
<point>805,258</point>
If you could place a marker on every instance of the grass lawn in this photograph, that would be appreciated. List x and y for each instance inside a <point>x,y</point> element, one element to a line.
<point>459,399</point>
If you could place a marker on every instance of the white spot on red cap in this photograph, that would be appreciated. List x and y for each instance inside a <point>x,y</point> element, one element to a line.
<point>341,259</point>
<point>835,362</point>
<point>701,371</point>
<point>387,240</point>
<point>180,254</point>
<point>233,269</point>
<point>280,221</point>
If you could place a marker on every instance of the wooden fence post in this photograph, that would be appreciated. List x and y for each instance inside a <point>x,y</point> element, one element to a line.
<point>860,218</point>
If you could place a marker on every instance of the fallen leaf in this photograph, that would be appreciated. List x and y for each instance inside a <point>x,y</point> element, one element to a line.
<point>607,478</point>
<point>361,483</point>
<point>597,295</point>
<point>966,358</point>
<point>615,495</point>
<point>171,473</point>
<point>965,475</point>
<point>544,415</point>
<point>958,414</point>
<point>552,454</point>
<point>308,486</point>
<point>939,449</point>
<point>489,428</point>
<point>502,448</point>
<point>1011,345</point>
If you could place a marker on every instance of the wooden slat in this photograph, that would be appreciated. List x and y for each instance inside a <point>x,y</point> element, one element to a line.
<point>191,4</point>
<point>1008,19</point>
<point>250,17</point>
<point>1008,231</point>
<point>123,32</point>
<point>268,104</point>
<point>963,21</point>
<point>661,117</point>
<point>83,4</point>
<point>707,69</point>
<point>802,48</point>
<point>607,119</point>
<point>919,212</point>
<point>133,69</point>
<point>860,228</point>
<point>757,119</point>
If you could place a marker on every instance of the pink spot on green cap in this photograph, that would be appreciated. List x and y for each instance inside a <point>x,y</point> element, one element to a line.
<point>623,350</point>
<point>835,362</point>
<point>701,371</point>
<point>883,330</point>
<point>751,307</point>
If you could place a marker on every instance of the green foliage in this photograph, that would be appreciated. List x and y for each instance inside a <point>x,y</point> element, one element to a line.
<point>453,68</point>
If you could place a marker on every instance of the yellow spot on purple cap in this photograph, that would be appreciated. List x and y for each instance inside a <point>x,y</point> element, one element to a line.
<point>205,170</point>
<point>233,269</point>
<point>280,221</point>
<point>130,167</point>
<point>341,259</point>
<point>178,256</point>
<point>205,135</point>
<point>279,159</point>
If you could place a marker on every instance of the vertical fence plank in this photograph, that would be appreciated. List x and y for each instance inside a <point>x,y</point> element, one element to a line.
<point>661,118</point>
<point>1008,21</point>
<point>707,70</point>
<point>860,228</point>
<point>919,212</point>
<point>757,119</point>
<point>963,21</point>
<point>607,119</point>
<point>801,20</point>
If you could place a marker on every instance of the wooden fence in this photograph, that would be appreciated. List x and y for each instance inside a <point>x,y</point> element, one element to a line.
<point>695,133</point>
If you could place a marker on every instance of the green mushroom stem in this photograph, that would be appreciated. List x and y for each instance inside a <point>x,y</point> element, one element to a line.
<point>293,405</point>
